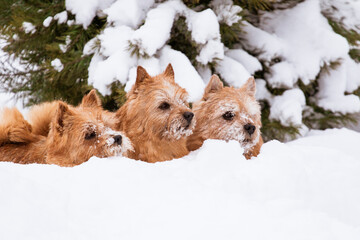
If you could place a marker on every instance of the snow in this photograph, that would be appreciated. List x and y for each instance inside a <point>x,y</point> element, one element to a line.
<point>346,12</point>
<point>226,12</point>
<point>130,13</point>
<point>288,107</point>
<point>61,17</point>
<point>232,71</point>
<point>28,27</point>
<point>251,63</point>
<point>305,189</point>
<point>86,10</point>
<point>156,31</point>
<point>115,59</point>
<point>204,26</point>
<point>213,50</point>
<point>47,21</point>
<point>57,65</point>
<point>282,75</point>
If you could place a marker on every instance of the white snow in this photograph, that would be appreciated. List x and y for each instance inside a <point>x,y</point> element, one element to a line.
<point>305,189</point>
<point>57,64</point>
<point>130,13</point>
<point>28,27</point>
<point>61,17</point>
<point>47,21</point>
<point>213,50</point>
<point>204,26</point>
<point>232,71</point>
<point>156,31</point>
<point>288,107</point>
<point>226,12</point>
<point>115,59</point>
<point>64,47</point>
<point>249,62</point>
<point>86,10</point>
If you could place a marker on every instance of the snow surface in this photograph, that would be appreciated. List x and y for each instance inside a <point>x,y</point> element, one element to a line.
<point>305,189</point>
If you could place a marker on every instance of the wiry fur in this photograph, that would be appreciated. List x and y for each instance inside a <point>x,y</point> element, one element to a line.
<point>67,142</point>
<point>157,134</point>
<point>216,101</point>
<point>40,115</point>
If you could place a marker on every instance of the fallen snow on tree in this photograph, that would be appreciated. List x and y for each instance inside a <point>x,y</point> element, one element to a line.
<point>305,189</point>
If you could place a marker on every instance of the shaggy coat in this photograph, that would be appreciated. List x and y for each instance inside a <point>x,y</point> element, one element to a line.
<point>228,113</point>
<point>74,135</point>
<point>156,117</point>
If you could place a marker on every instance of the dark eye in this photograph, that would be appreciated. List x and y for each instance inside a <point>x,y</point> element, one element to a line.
<point>164,106</point>
<point>90,135</point>
<point>228,115</point>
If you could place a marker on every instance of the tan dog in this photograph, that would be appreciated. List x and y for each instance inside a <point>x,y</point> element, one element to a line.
<point>156,117</point>
<point>40,116</point>
<point>229,114</point>
<point>75,135</point>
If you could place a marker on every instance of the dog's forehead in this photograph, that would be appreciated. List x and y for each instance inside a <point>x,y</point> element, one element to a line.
<point>172,93</point>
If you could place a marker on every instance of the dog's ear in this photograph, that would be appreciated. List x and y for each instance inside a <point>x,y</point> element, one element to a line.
<point>62,113</point>
<point>141,75</point>
<point>169,72</point>
<point>91,100</point>
<point>249,86</point>
<point>214,85</point>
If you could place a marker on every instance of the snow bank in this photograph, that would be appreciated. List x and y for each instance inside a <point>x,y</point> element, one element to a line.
<point>305,189</point>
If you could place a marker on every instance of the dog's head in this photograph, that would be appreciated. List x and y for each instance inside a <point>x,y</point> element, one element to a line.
<point>160,105</point>
<point>76,134</point>
<point>229,114</point>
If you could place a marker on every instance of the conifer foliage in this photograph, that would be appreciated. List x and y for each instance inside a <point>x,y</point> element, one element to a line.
<point>304,54</point>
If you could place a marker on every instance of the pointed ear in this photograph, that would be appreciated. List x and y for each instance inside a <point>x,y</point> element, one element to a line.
<point>213,85</point>
<point>62,112</point>
<point>141,75</point>
<point>250,86</point>
<point>91,100</point>
<point>169,71</point>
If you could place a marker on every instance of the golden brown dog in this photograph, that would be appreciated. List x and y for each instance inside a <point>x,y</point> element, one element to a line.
<point>74,136</point>
<point>156,117</point>
<point>229,114</point>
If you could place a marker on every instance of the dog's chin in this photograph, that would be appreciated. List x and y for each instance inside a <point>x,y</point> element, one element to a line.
<point>175,133</point>
<point>248,143</point>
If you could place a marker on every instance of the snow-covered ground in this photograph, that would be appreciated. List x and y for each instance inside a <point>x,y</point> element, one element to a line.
<point>305,189</point>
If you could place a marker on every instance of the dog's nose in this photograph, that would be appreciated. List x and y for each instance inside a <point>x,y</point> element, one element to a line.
<point>188,116</point>
<point>118,139</point>
<point>250,128</point>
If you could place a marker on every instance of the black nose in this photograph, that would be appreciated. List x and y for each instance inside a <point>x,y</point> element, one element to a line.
<point>118,139</point>
<point>250,128</point>
<point>188,116</point>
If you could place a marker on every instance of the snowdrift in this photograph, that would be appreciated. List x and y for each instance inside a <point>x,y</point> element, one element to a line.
<point>305,189</point>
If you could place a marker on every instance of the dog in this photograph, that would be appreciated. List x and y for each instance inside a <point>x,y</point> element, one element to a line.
<point>156,117</point>
<point>228,113</point>
<point>40,115</point>
<point>73,137</point>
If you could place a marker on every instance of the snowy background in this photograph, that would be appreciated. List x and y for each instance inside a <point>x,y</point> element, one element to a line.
<point>304,189</point>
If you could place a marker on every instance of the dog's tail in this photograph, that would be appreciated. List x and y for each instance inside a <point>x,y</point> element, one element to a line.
<point>14,128</point>
<point>40,117</point>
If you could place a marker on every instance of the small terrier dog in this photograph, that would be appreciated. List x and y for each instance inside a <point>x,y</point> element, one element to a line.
<point>227,113</point>
<point>156,117</point>
<point>73,137</point>
<point>40,116</point>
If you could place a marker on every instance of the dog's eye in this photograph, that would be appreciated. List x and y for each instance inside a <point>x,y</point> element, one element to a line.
<point>228,115</point>
<point>90,135</point>
<point>164,106</point>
